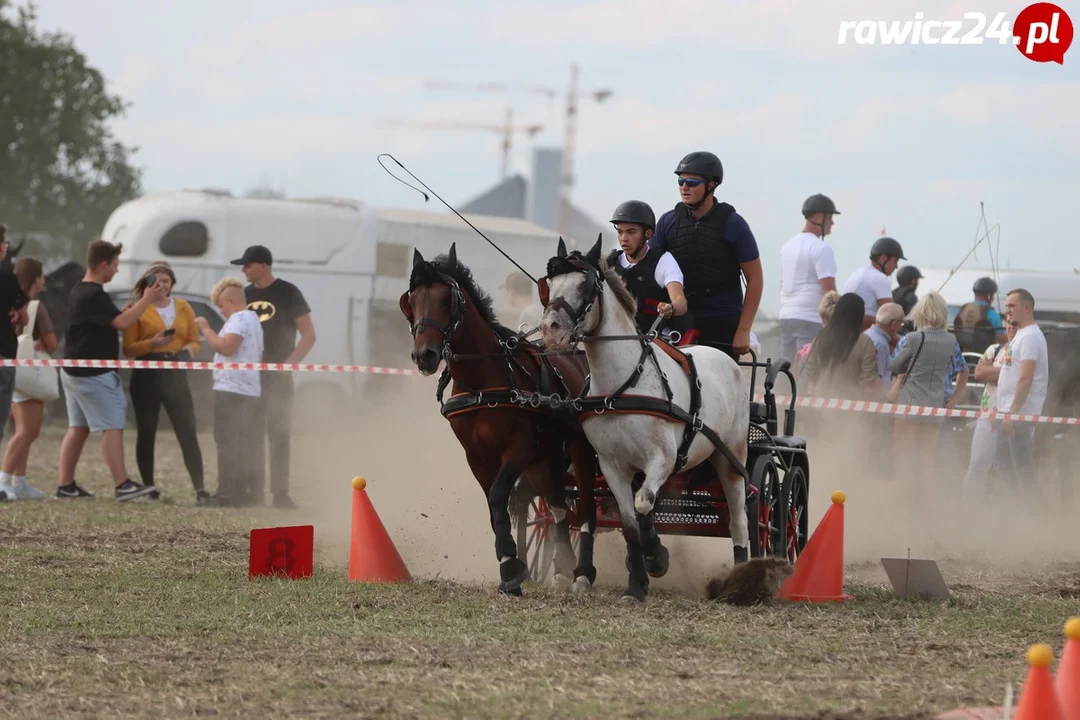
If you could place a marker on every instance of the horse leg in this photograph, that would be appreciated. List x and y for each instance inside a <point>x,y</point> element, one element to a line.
<point>656,555</point>
<point>584,460</point>
<point>512,571</point>
<point>564,547</point>
<point>618,480</point>
<point>656,474</point>
<point>735,491</point>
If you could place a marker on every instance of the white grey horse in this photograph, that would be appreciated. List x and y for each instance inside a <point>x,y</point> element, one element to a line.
<point>585,300</point>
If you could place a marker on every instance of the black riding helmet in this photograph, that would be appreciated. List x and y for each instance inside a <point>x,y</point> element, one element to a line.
<point>702,163</point>
<point>907,274</point>
<point>984,286</point>
<point>819,204</point>
<point>634,211</point>
<point>887,246</point>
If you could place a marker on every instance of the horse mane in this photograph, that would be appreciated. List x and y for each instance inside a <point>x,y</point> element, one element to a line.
<point>615,282</point>
<point>427,273</point>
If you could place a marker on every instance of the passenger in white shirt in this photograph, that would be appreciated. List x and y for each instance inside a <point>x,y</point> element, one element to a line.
<point>236,393</point>
<point>652,276</point>
<point>1022,386</point>
<point>807,272</point>
<point>871,281</point>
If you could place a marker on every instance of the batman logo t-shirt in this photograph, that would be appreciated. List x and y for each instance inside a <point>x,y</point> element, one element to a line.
<point>278,305</point>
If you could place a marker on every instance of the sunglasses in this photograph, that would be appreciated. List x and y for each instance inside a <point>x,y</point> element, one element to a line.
<point>690,182</point>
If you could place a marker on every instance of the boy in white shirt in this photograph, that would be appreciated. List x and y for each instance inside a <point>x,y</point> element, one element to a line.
<point>871,282</point>
<point>236,393</point>
<point>807,272</point>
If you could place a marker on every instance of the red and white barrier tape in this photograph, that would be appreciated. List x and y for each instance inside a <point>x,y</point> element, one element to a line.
<point>178,365</point>
<point>816,403</point>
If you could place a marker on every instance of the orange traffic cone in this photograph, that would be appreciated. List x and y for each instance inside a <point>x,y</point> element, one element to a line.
<point>1038,700</point>
<point>372,555</point>
<point>819,570</point>
<point>1067,682</point>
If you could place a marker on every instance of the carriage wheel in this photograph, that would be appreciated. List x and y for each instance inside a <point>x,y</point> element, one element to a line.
<point>765,515</point>
<point>532,523</point>
<point>794,508</point>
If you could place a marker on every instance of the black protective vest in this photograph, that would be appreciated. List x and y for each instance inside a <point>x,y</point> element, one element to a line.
<point>972,329</point>
<point>641,282</point>
<point>706,258</point>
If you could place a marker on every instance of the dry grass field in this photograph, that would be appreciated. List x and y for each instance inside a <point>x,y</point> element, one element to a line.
<point>145,609</point>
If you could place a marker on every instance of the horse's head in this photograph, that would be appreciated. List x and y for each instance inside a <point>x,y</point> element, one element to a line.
<point>569,294</point>
<point>434,305</point>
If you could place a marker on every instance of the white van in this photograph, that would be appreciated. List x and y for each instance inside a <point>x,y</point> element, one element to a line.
<point>351,261</point>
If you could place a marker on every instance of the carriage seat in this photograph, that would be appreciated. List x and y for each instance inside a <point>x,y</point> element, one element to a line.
<point>758,413</point>
<point>789,441</point>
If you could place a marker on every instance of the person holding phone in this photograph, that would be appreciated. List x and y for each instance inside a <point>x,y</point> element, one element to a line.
<point>166,330</point>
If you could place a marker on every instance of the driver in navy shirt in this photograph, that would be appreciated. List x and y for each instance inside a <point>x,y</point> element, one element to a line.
<point>716,250</point>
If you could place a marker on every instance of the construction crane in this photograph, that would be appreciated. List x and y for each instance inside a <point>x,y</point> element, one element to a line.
<point>507,129</point>
<point>566,169</point>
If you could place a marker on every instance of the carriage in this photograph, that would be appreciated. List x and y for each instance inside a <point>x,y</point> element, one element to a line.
<point>691,503</point>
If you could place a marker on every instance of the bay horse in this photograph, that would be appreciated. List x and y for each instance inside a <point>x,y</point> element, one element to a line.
<point>682,408</point>
<point>496,413</point>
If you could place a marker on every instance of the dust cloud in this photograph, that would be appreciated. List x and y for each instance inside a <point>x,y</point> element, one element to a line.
<point>435,512</point>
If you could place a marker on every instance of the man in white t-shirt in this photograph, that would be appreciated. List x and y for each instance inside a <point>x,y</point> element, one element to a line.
<point>652,276</point>
<point>236,393</point>
<point>1022,385</point>
<point>871,282</point>
<point>807,272</point>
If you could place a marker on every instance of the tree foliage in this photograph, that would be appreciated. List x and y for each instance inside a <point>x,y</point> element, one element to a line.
<point>61,170</point>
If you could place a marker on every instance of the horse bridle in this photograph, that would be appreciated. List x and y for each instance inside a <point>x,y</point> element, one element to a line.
<point>457,304</point>
<point>594,283</point>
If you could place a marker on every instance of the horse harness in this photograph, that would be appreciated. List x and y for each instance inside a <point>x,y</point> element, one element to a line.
<point>551,381</point>
<point>619,402</point>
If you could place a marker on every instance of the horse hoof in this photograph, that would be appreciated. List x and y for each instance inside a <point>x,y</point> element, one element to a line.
<point>561,582</point>
<point>581,585</point>
<point>511,592</point>
<point>741,555</point>
<point>513,573</point>
<point>644,501</point>
<point>657,566</point>
<point>633,594</point>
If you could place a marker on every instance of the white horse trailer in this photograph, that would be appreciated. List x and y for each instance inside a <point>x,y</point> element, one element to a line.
<point>351,261</point>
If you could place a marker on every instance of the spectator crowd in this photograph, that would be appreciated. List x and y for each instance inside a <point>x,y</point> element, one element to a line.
<point>263,318</point>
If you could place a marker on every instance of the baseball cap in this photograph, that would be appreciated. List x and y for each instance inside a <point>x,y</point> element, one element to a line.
<point>255,254</point>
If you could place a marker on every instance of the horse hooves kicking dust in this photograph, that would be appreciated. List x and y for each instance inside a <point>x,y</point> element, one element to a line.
<point>750,583</point>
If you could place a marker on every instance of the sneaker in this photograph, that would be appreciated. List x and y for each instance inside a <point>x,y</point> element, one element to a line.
<point>25,491</point>
<point>202,498</point>
<point>8,491</point>
<point>154,494</point>
<point>129,490</point>
<point>72,491</point>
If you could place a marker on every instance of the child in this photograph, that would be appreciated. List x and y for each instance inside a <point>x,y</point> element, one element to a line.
<point>236,392</point>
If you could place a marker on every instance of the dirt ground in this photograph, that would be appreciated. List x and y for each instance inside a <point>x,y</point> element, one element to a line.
<point>146,610</point>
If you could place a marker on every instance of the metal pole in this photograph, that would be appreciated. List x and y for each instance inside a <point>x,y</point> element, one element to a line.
<point>566,164</point>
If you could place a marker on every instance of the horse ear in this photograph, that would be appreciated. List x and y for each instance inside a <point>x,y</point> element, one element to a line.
<point>594,254</point>
<point>417,258</point>
<point>452,255</point>
<point>562,248</point>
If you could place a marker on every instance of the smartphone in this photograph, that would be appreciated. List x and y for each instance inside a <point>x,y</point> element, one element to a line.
<point>150,280</point>
<point>170,332</point>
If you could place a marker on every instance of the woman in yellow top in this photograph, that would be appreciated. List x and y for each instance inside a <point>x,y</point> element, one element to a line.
<point>165,331</point>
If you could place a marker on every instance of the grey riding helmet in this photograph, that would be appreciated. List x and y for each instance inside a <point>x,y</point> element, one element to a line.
<point>819,204</point>
<point>702,163</point>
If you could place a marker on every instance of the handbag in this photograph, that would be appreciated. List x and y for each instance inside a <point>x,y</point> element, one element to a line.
<point>898,383</point>
<point>40,383</point>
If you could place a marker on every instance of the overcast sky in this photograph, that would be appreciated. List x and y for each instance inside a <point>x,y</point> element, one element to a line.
<point>911,138</point>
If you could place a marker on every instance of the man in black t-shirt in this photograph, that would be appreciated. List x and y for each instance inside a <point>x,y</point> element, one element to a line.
<point>13,303</point>
<point>283,312</point>
<point>95,396</point>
